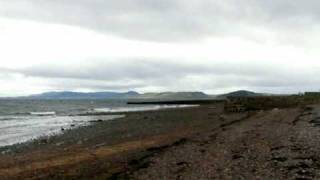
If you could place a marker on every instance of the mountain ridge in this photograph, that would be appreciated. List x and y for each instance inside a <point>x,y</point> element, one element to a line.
<point>117,95</point>
<point>241,93</point>
<point>183,95</point>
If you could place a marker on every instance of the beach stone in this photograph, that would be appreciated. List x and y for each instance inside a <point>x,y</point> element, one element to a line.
<point>59,144</point>
<point>99,145</point>
<point>97,121</point>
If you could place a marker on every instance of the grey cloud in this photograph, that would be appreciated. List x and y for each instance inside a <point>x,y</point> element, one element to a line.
<point>7,74</point>
<point>167,19</point>
<point>57,84</point>
<point>114,70</point>
<point>171,20</point>
<point>143,74</point>
<point>122,69</point>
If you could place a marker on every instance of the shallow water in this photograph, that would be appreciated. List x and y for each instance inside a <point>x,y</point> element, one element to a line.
<point>20,129</point>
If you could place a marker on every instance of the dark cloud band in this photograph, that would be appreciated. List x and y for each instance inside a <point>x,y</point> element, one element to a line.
<point>169,20</point>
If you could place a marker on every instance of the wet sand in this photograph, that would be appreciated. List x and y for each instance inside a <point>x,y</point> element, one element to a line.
<point>192,143</point>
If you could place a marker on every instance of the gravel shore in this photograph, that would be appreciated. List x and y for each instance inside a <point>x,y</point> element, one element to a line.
<point>192,143</point>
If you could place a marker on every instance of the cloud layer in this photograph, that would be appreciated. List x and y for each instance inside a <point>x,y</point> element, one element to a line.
<point>170,20</point>
<point>148,45</point>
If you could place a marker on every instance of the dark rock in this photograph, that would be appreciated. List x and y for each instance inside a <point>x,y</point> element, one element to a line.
<point>236,156</point>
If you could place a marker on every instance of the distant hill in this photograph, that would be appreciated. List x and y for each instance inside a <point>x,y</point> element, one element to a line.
<point>173,96</point>
<point>117,95</point>
<point>241,93</point>
<point>138,96</point>
<point>80,95</point>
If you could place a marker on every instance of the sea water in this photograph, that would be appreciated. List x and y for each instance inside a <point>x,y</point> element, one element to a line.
<point>23,120</point>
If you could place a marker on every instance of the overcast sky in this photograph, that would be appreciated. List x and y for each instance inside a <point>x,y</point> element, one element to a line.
<point>213,46</point>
